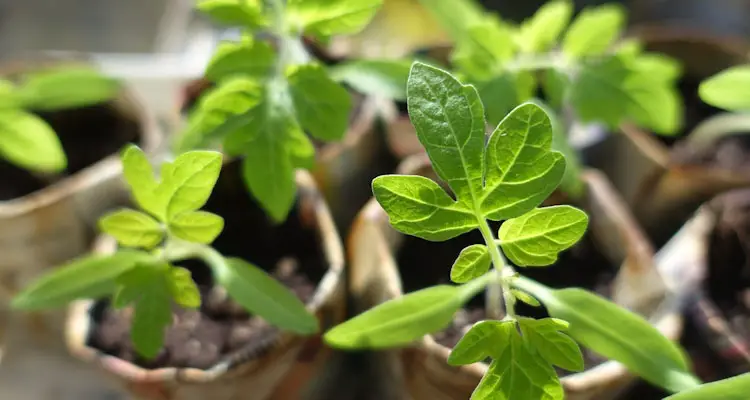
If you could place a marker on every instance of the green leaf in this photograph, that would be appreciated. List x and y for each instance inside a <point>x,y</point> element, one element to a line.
<point>264,296</point>
<point>729,89</point>
<point>484,339</point>
<point>8,95</point>
<point>525,297</point>
<point>197,226</point>
<point>571,183</point>
<point>617,334</point>
<point>658,66</point>
<point>555,84</point>
<point>147,288</point>
<point>473,262</point>
<point>522,171</point>
<point>540,32</point>
<point>66,87</point>
<point>519,372</point>
<point>486,47</point>
<point>449,120</point>
<point>132,228</point>
<point>331,17</point>
<point>535,238</point>
<point>27,141</point>
<point>86,277</point>
<point>594,30</point>
<point>418,206</point>
<point>189,184</point>
<point>254,59</point>
<point>140,177</point>
<point>734,388</point>
<point>400,321</point>
<point>455,16</point>
<point>546,337</point>
<point>247,13</point>
<point>386,78</point>
<point>183,289</point>
<point>504,92</point>
<point>322,105</point>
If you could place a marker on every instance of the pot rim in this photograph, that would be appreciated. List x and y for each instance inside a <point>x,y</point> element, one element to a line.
<point>79,324</point>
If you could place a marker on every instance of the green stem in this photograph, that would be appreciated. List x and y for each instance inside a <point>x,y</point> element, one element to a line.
<point>534,62</point>
<point>498,289</point>
<point>178,250</point>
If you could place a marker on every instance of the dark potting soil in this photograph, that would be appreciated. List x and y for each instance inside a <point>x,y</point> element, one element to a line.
<point>88,134</point>
<point>221,329</point>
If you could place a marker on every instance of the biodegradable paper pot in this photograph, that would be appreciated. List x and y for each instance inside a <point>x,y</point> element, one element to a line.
<point>286,362</point>
<point>662,189</point>
<point>423,370</point>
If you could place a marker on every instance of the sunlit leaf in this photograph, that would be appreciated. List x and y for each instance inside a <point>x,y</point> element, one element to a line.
<point>484,339</point>
<point>247,58</point>
<point>182,288</point>
<point>541,31</point>
<point>486,47</point>
<point>196,226</point>
<point>330,17</point>
<point>27,141</point>
<point>729,89</point>
<point>132,228</point>
<point>473,262</point>
<point>386,78</point>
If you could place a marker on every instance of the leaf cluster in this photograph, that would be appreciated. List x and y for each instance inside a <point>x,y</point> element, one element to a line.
<point>503,177</point>
<point>28,141</point>
<point>169,227</point>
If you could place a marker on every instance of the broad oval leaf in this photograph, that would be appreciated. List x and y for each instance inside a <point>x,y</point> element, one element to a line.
<point>132,228</point>
<point>87,277</point>
<point>385,78</point>
<point>484,339</point>
<point>522,170</point>
<point>594,30</point>
<point>535,239</point>
<point>541,31</point>
<point>197,226</point>
<point>403,320</point>
<point>546,337</point>
<point>27,141</point>
<point>617,334</point>
<point>248,58</point>
<point>264,296</point>
<point>331,17</point>
<point>182,287</point>
<point>420,207</point>
<point>734,388</point>
<point>473,262</point>
<point>449,120</point>
<point>140,177</point>
<point>322,106</point>
<point>519,372</point>
<point>66,87</point>
<point>191,179</point>
<point>246,13</point>
<point>729,89</point>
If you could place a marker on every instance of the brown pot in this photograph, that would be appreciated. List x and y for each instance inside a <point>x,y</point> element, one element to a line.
<point>283,362</point>
<point>422,370</point>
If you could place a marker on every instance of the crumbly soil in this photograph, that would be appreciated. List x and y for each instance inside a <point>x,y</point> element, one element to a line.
<point>88,134</point>
<point>220,329</point>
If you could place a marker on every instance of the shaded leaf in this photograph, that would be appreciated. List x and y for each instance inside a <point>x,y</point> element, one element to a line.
<point>386,78</point>
<point>484,339</point>
<point>250,58</point>
<point>546,337</point>
<point>486,47</point>
<point>473,262</point>
<point>594,30</point>
<point>729,89</point>
<point>322,106</point>
<point>196,226</point>
<point>132,228</point>
<point>28,142</point>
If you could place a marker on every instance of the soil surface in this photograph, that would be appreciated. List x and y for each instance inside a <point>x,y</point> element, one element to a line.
<point>88,134</point>
<point>200,339</point>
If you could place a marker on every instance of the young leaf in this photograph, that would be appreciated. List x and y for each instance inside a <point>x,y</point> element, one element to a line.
<point>734,388</point>
<point>535,238</point>
<point>87,277</point>
<point>247,13</point>
<point>386,78</point>
<point>658,65</point>
<point>140,178</point>
<point>455,16</point>
<point>196,226</point>
<point>519,372</point>
<point>546,337</point>
<point>541,31</point>
<point>486,47</point>
<point>67,87</point>
<point>418,206</point>
<point>250,58</point>
<point>403,320</point>
<point>473,262</point>
<point>729,89</point>
<point>148,289</point>
<point>183,288</point>
<point>9,97</point>
<point>27,141</point>
<point>525,297</point>
<point>617,334</point>
<point>484,339</point>
<point>132,228</point>
<point>190,182</point>
<point>331,17</point>
<point>555,84</point>
<point>522,170</point>
<point>594,30</point>
<point>504,92</point>
<point>264,296</point>
<point>326,117</point>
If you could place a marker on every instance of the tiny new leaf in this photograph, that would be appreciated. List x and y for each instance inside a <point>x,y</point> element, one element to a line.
<point>249,58</point>
<point>541,31</point>
<point>196,226</point>
<point>68,87</point>
<point>729,89</point>
<point>189,184</point>
<point>734,388</point>
<point>132,228</point>
<point>330,17</point>
<point>594,30</point>
<point>473,262</point>
<point>247,13</point>
<point>139,175</point>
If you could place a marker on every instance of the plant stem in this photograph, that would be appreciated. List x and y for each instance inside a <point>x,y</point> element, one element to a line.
<point>178,250</point>
<point>498,289</point>
<point>537,61</point>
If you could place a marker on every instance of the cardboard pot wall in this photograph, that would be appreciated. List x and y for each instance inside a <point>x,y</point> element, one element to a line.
<point>256,370</point>
<point>423,371</point>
